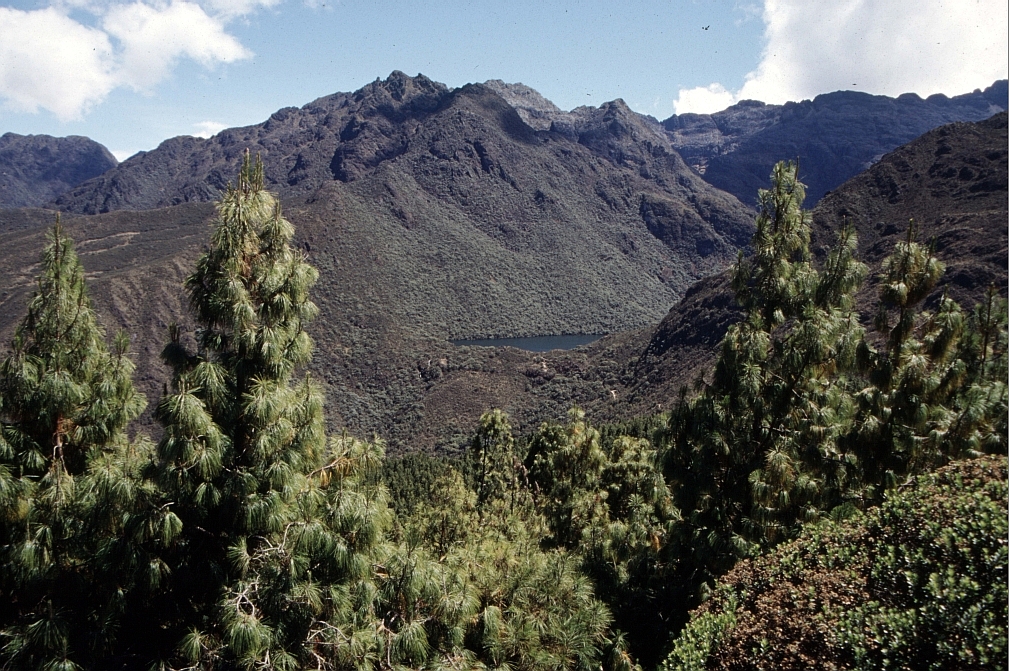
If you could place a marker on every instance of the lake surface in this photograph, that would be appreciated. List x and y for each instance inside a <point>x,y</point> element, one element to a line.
<point>534,344</point>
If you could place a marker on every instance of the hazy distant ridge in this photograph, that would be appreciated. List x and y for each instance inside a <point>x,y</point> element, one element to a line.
<point>835,136</point>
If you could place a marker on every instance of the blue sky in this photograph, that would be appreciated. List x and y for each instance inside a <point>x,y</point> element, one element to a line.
<point>131,73</point>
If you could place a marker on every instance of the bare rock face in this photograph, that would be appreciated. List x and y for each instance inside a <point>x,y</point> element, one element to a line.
<point>535,110</point>
<point>834,136</point>
<point>35,169</point>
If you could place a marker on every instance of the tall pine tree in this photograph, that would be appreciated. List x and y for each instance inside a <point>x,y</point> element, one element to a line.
<point>275,524</point>
<point>757,452</point>
<point>70,488</point>
<point>937,390</point>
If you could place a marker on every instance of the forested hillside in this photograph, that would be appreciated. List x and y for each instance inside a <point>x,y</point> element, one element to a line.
<point>250,536</point>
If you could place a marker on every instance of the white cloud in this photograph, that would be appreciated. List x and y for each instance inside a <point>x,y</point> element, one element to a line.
<point>877,46</point>
<point>123,154</point>
<point>206,129</point>
<point>65,66</point>
<point>703,99</point>
<point>54,63</point>
<point>154,38</point>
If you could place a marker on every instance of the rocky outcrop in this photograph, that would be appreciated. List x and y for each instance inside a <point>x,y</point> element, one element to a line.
<point>834,136</point>
<point>35,169</point>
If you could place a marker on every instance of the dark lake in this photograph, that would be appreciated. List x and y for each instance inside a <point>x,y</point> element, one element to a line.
<point>534,344</point>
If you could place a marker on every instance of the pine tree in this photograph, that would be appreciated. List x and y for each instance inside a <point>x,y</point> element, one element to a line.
<point>804,417</point>
<point>565,467</point>
<point>65,394</point>
<point>759,450</point>
<point>605,500</point>
<point>981,423</point>
<point>70,484</point>
<point>496,465</point>
<point>472,587</point>
<point>937,390</point>
<point>276,523</point>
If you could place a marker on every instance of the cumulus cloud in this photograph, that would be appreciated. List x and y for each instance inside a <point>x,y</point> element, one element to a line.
<point>65,75</point>
<point>152,39</point>
<point>877,46</point>
<point>704,99</point>
<point>65,66</point>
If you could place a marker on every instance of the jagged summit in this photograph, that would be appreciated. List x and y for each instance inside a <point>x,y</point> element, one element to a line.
<point>414,126</point>
<point>345,136</point>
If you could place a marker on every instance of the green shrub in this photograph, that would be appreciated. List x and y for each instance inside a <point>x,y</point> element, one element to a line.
<point>918,583</point>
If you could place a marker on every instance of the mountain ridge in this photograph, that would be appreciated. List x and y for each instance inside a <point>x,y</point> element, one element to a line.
<point>36,169</point>
<point>834,135</point>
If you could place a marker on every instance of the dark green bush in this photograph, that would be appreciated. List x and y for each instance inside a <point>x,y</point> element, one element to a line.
<point>918,583</point>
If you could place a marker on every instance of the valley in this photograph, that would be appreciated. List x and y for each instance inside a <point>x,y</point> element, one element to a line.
<point>436,215</point>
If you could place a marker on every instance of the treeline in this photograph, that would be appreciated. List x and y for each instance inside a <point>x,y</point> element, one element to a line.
<point>247,538</point>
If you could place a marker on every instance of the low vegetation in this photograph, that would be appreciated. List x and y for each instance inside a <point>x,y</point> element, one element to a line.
<point>916,583</point>
<point>247,538</point>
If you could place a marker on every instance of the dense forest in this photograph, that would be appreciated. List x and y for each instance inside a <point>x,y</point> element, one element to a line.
<point>822,495</point>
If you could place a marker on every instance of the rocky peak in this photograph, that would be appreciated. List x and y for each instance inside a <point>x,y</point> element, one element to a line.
<point>535,110</point>
<point>400,94</point>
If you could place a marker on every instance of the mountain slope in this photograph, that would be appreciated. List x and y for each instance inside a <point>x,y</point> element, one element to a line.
<point>834,136</point>
<point>597,229</point>
<point>407,260</point>
<point>348,136</point>
<point>35,169</point>
<point>431,214</point>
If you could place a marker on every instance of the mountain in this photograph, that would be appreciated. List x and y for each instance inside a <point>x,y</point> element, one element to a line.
<point>484,225</point>
<point>35,169</point>
<point>412,124</point>
<point>834,136</point>
<point>431,214</point>
<point>597,229</point>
